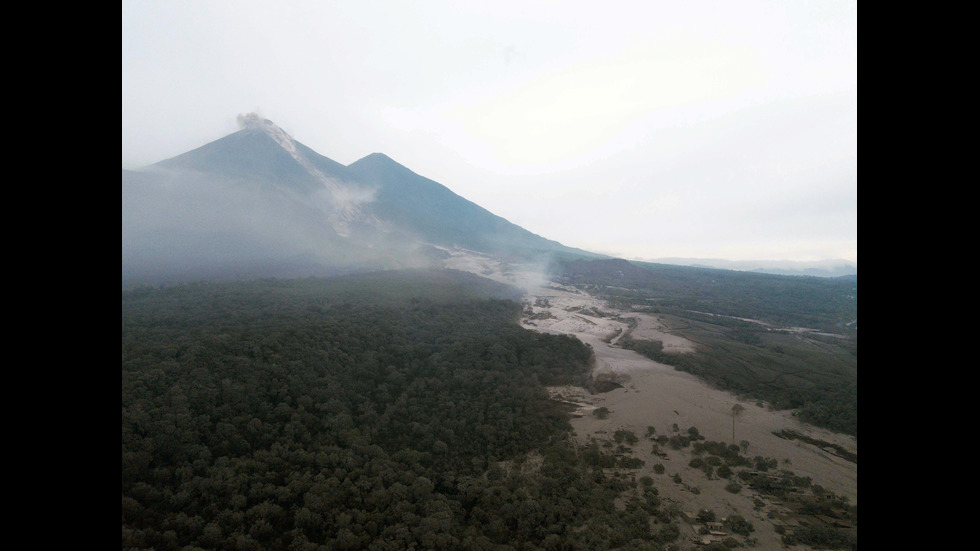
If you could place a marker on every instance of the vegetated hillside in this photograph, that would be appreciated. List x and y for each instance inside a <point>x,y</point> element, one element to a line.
<point>828,304</point>
<point>394,411</point>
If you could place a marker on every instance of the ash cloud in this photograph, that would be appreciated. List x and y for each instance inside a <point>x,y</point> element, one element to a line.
<point>249,120</point>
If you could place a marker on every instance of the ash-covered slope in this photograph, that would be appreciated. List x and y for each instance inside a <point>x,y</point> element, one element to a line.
<point>434,214</point>
<point>263,154</point>
<point>259,203</point>
<point>255,203</point>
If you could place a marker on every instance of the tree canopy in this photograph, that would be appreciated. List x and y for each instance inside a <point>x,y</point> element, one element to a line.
<point>397,413</point>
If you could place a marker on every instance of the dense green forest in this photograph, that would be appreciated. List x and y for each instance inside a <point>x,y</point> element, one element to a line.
<point>384,411</point>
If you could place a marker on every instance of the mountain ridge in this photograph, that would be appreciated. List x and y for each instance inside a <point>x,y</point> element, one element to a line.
<point>258,190</point>
<point>816,268</point>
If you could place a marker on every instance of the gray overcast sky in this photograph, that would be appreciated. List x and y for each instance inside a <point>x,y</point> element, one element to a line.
<point>645,129</point>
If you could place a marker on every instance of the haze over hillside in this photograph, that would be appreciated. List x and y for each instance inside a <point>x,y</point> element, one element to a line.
<point>431,398</point>
<point>400,314</point>
<point>259,203</point>
<point>818,268</point>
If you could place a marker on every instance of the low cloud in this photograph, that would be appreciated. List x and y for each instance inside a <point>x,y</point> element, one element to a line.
<point>178,225</point>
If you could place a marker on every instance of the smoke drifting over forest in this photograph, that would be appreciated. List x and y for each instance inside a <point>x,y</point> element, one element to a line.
<point>180,225</point>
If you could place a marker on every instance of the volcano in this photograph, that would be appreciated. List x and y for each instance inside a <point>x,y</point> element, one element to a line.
<point>258,203</point>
